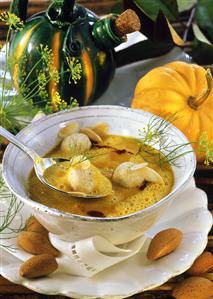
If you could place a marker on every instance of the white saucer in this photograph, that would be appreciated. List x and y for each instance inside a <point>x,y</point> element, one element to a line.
<point>188,212</point>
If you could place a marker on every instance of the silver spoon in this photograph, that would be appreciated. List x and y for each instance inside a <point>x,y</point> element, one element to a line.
<point>41,164</point>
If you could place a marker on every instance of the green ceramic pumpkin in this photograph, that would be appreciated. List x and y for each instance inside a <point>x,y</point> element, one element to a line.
<point>82,47</point>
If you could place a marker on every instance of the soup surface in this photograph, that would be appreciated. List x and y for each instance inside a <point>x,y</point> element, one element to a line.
<point>106,156</point>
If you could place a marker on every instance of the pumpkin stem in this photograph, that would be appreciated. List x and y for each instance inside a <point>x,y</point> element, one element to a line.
<point>196,102</point>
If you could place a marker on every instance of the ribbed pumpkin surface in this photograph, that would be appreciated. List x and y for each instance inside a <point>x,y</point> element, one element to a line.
<point>175,88</point>
<point>97,65</point>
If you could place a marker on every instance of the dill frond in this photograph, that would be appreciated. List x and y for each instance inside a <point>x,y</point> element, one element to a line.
<point>11,20</point>
<point>206,146</point>
<point>12,207</point>
<point>17,108</point>
<point>156,135</point>
<point>74,68</point>
<point>16,113</point>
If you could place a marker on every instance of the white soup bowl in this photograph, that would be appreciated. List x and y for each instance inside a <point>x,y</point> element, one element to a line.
<point>41,135</point>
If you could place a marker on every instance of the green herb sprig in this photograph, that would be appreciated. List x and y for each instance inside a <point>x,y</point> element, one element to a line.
<point>156,134</point>
<point>15,111</point>
<point>18,107</point>
<point>7,216</point>
<point>74,68</point>
<point>206,146</point>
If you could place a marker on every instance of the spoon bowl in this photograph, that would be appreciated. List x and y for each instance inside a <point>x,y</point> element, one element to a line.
<point>41,164</point>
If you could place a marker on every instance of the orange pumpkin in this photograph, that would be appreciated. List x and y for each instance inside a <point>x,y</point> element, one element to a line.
<point>182,88</point>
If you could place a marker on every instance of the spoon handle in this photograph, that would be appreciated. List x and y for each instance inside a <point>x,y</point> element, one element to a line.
<point>14,140</point>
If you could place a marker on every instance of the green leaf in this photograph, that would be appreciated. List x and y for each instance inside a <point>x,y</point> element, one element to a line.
<point>184,5</point>
<point>152,7</point>
<point>204,17</point>
<point>199,34</point>
<point>159,30</point>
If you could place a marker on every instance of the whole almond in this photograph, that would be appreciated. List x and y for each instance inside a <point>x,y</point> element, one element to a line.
<point>33,225</point>
<point>203,264</point>
<point>38,266</point>
<point>194,288</point>
<point>36,243</point>
<point>163,243</point>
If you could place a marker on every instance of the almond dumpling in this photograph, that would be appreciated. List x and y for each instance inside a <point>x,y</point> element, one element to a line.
<point>86,178</point>
<point>133,175</point>
<point>77,143</point>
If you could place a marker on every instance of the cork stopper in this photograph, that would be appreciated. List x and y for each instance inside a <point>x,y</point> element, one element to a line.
<point>127,22</point>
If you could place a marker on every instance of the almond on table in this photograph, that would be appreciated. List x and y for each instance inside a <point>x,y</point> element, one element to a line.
<point>194,288</point>
<point>203,264</point>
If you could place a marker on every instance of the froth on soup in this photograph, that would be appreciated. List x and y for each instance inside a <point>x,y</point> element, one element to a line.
<point>128,174</point>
